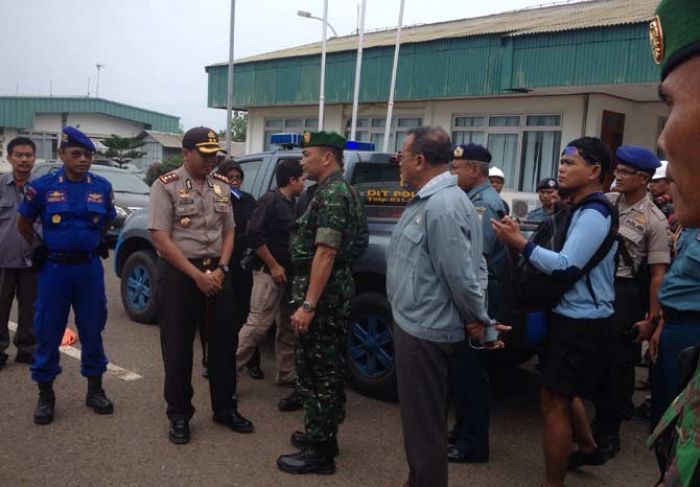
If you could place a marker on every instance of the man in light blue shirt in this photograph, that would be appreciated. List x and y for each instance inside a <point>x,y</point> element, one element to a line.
<point>433,267</point>
<point>580,324</point>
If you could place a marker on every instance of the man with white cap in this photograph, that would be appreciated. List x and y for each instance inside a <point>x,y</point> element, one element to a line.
<point>660,187</point>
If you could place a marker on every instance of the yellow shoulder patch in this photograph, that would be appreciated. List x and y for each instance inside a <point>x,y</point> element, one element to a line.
<point>220,177</point>
<point>169,177</point>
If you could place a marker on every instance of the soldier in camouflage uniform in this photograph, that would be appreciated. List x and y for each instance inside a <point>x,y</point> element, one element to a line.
<point>322,252</point>
<point>675,36</point>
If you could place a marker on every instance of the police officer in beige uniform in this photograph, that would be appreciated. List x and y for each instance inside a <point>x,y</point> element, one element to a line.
<point>192,228</point>
<point>642,260</point>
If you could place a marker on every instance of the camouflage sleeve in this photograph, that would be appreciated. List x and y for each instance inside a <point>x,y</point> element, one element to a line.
<point>332,218</point>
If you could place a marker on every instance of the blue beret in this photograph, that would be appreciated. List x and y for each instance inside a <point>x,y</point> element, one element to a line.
<point>638,158</point>
<point>547,183</point>
<point>471,152</point>
<point>72,137</point>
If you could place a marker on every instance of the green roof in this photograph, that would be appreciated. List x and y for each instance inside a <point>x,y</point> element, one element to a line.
<point>601,42</point>
<point>19,111</point>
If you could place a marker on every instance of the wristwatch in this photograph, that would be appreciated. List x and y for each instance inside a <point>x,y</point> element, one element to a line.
<point>308,307</point>
<point>224,268</point>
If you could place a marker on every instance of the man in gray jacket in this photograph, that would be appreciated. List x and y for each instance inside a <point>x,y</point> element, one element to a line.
<point>433,284</point>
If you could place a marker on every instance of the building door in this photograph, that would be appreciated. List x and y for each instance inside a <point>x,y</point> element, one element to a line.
<point>612,132</point>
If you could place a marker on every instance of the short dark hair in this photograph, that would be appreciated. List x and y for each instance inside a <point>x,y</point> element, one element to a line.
<point>286,170</point>
<point>594,151</point>
<point>433,142</point>
<point>337,153</point>
<point>20,141</point>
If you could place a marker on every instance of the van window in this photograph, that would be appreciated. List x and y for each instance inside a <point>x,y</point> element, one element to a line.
<point>379,185</point>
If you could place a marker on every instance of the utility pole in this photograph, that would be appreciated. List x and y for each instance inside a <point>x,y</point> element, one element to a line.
<point>97,86</point>
<point>358,71</point>
<point>229,85</point>
<point>390,105</point>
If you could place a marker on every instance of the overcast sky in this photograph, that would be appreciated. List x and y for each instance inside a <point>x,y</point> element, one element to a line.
<point>155,51</point>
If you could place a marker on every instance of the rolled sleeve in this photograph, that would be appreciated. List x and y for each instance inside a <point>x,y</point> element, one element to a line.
<point>332,221</point>
<point>160,209</point>
<point>255,231</point>
<point>659,251</point>
<point>30,207</point>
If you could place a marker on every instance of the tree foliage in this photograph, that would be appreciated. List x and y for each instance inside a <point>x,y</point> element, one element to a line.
<point>239,127</point>
<point>122,149</point>
<point>159,168</point>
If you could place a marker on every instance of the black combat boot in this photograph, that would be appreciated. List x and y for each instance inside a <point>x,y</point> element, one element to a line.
<point>43,414</point>
<point>300,440</point>
<point>316,457</point>
<point>96,397</point>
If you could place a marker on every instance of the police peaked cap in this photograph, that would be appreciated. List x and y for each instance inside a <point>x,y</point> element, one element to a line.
<point>72,137</point>
<point>471,152</point>
<point>638,158</point>
<point>547,183</point>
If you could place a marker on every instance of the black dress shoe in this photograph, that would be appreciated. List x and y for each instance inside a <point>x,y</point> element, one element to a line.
<point>255,372</point>
<point>580,459</point>
<point>234,421</point>
<point>313,459</point>
<point>23,357</point>
<point>292,402</point>
<point>301,441</point>
<point>455,456</point>
<point>179,431</point>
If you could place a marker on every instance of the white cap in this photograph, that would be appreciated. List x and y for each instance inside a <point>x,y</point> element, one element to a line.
<point>660,171</point>
<point>494,172</point>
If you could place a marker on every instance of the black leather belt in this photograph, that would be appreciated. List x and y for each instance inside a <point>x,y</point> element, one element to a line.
<point>71,258</point>
<point>677,315</point>
<point>206,262</point>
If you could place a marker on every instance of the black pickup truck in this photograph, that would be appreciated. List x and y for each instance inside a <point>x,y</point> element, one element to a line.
<point>370,335</point>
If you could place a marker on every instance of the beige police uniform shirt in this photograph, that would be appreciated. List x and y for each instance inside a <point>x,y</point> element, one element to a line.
<point>645,230</point>
<point>194,215</point>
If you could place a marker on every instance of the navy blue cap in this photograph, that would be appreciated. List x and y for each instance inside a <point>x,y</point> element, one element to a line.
<point>547,183</point>
<point>72,137</point>
<point>638,158</point>
<point>471,152</point>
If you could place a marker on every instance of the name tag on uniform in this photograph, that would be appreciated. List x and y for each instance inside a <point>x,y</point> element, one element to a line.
<point>95,198</point>
<point>56,196</point>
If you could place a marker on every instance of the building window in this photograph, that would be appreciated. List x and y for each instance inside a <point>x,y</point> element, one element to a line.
<point>372,130</point>
<point>533,140</point>
<point>46,144</point>
<point>286,125</point>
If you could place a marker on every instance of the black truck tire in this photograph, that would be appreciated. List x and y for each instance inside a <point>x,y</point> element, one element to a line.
<point>138,286</point>
<point>370,355</point>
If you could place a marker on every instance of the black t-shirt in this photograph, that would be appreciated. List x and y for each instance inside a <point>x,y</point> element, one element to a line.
<point>271,224</point>
<point>242,210</point>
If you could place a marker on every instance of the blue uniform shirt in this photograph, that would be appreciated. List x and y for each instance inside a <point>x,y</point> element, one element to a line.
<point>588,229</point>
<point>72,213</point>
<point>537,215</point>
<point>680,289</point>
<point>489,205</point>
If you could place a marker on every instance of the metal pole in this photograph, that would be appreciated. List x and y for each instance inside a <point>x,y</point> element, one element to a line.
<point>358,71</point>
<point>394,69</point>
<point>229,87</point>
<point>322,88</point>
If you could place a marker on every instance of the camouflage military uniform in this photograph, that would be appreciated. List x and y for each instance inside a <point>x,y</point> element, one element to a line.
<point>332,219</point>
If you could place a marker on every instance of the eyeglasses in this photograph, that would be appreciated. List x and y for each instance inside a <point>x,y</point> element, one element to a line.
<point>235,178</point>
<point>76,153</point>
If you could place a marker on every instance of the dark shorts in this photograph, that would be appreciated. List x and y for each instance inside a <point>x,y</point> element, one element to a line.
<point>575,358</point>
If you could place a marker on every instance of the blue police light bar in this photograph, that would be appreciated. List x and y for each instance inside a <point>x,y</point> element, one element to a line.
<point>355,145</point>
<point>286,139</point>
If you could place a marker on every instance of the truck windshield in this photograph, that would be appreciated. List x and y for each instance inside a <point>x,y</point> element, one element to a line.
<point>380,188</point>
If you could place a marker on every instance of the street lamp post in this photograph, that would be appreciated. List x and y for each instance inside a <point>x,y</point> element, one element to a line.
<point>229,85</point>
<point>324,35</point>
<point>358,70</point>
<point>390,105</point>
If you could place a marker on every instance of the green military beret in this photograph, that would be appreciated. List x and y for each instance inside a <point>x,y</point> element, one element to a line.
<point>675,33</point>
<point>325,139</point>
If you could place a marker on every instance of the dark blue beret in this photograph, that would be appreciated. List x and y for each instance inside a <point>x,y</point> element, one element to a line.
<point>638,158</point>
<point>72,137</point>
<point>547,183</point>
<point>471,152</point>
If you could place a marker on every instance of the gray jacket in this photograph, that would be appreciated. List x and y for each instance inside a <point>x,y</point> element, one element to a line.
<point>433,264</point>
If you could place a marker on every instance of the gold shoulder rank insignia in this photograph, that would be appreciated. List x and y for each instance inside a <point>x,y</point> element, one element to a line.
<point>169,177</point>
<point>220,177</point>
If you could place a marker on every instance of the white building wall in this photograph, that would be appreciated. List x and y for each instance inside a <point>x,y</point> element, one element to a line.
<point>97,125</point>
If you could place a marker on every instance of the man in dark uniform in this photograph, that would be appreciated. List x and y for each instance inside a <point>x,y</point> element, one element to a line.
<point>192,228</point>
<point>548,193</point>
<point>74,207</point>
<point>470,381</point>
<point>322,256</point>
<point>675,35</point>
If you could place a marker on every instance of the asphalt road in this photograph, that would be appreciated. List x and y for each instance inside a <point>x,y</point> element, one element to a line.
<point>130,448</point>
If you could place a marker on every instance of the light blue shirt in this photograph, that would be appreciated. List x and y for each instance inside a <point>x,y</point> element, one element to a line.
<point>589,228</point>
<point>433,264</point>
<point>680,289</point>
<point>489,205</point>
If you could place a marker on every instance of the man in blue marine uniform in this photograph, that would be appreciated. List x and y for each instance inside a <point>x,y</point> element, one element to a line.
<point>74,207</point>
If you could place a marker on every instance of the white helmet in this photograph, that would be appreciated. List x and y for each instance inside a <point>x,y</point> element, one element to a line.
<point>660,171</point>
<point>495,172</point>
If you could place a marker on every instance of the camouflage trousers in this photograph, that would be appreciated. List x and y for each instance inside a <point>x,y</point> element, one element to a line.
<point>322,370</point>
